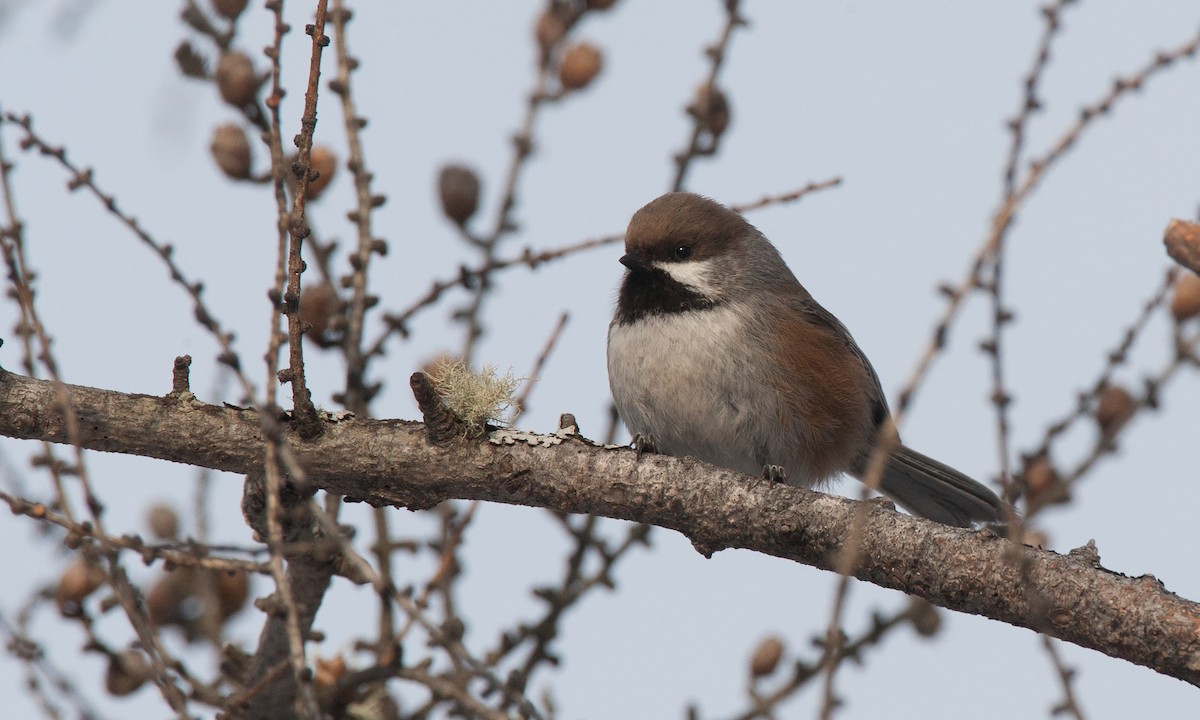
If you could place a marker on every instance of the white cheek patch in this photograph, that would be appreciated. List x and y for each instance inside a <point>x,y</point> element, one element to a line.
<point>694,274</point>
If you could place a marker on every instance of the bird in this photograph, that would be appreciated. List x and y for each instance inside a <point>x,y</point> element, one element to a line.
<point>717,352</point>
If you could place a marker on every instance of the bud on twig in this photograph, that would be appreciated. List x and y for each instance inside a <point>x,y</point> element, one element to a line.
<point>320,307</point>
<point>231,149</point>
<point>710,108</point>
<point>1185,299</point>
<point>232,591</point>
<point>1115,407</point>
<point>236,80</point>
<point>1043,486</point>
<point>458,188</point>
<point>163,522</point>
<point>328,672</point>
<point>324,162</point>
<point>581,64</point>
<point>127,671</point>
<point>549,30</point>
<point>766,657</point>
<point>81,578</point>
<point>230,9</point>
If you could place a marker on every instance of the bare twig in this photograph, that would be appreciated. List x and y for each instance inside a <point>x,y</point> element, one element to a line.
<point>356,393</point>
<point>467,277</point>
<point>1185,354</point>
<point>33,657</point>
<point>716,53</point>
<point>523,143</point>
<point>298,230</point>
<point>1069,705</point>
<point>1114,359</point>
<point>1007,213</point>
<point>19,274</point>
<point>803,672</point>
<point>522,402</point>
<point>197,556</point>
<point>788,197</point>
<point>573,586</point>
<point>283,587</point>
<point>994,283</point>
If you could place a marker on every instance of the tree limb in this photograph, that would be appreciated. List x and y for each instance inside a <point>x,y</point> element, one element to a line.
<point>390,462</point>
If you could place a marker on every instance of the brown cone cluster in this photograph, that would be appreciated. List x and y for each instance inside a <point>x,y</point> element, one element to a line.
<point>197,600</point>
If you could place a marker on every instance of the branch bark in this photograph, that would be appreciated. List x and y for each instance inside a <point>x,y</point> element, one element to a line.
<point>390,462</point>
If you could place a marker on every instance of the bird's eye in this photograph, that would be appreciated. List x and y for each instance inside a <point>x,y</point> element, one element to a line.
<point>682,252</point>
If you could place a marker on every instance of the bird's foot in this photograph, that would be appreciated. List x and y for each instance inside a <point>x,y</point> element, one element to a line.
<point>645,444</point>
<point>774,473</point>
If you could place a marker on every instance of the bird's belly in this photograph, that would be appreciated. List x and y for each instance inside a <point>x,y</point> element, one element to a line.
<point>688,380</point>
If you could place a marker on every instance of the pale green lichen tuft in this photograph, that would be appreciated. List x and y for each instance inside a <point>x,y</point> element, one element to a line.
<point>476,398</point>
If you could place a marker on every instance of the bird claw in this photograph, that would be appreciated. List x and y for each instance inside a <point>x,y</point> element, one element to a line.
<point>645,444</point>
<point>774,473</point>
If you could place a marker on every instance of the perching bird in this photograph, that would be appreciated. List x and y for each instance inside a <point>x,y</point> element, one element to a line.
<point>716,351</point>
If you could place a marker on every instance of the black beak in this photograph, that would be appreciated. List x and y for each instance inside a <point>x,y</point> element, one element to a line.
<point>634,261</point>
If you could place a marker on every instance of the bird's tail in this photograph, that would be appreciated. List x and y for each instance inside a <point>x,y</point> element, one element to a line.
<point>923,486</point>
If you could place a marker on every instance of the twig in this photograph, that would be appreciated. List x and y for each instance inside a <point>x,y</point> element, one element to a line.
<point>1009,209</point>
<point>455,649</point>
<point>716,55</point>
<point>469,277</point>
<point>274,137</point>
<point>1114,359</point>
<point>1066,677</point>
<point>522,402</point>
<point>397,323</point>
<point>834,642</point>
<point>444,689</point>
<point>165,667</point>
<point>1031,103</point>
<point>32,656</point>
<point>283,586</point>
<point>200,556</point>
<point>523,146</point>
<point>357,393</point>
<point>573,586</point>
<point>1185,354</point>
<point>12,243</point>
<point>298,230</point>
<point>804,672</point>
<point>788,197</point>
<point>458,651</point>
<point>13,247</point>
<point>83,178</point>
<point>382,550</point>
<point>994,284</point>
<point>19,274</point>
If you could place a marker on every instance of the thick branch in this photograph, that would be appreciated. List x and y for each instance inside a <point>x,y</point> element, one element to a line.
<point>391,462</point>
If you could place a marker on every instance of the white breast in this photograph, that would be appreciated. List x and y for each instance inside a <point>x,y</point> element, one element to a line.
<point>689,380</point>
